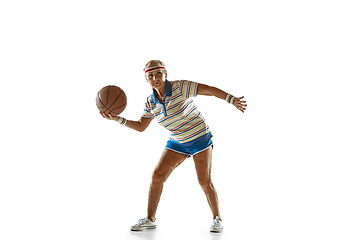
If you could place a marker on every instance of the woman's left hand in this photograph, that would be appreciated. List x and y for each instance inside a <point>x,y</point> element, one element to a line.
<point>240,104</point>
<point>109,117</point>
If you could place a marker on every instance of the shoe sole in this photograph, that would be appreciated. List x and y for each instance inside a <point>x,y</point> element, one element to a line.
<point>216,230</point>
<point>142,229</point>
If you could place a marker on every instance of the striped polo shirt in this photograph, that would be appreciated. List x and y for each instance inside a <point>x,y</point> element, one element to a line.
<point>177,111</point>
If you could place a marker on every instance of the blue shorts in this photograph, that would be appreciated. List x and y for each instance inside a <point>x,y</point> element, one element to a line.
<point>193,147</point>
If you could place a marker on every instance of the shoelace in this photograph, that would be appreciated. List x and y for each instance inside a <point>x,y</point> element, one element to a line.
<point>141,221</point>
<point>216,222</point>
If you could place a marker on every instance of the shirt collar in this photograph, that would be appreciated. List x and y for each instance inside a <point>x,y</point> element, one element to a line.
<point>168,91</point>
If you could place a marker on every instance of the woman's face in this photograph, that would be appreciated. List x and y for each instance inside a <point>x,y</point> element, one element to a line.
<point>156,78</point>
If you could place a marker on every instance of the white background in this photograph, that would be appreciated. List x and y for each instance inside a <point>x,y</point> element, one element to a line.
<point>288,168</point>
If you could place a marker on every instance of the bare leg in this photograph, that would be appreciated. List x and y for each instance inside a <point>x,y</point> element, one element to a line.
<point>168,162</point>
<point>203,169</point>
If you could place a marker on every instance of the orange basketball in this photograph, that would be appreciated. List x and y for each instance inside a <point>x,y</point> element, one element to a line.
<point>111,99</point>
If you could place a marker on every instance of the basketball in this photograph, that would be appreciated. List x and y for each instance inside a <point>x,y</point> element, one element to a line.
<point>111,100</point>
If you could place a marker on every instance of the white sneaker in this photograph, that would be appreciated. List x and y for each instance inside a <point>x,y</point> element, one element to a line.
<point>143,224</point>
<point>216,225</point>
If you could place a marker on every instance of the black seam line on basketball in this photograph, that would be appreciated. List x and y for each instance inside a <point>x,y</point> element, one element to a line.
<point>107,97</point>
<point>118,107</point>
<point>115,99</point>
<point>105,109</point>
<point>99,97</point>
<point>108,108</point>
<point>112,111</point>
<point>99,106</point>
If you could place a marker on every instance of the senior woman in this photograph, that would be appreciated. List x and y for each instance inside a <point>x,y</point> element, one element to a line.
<point>171,104</point>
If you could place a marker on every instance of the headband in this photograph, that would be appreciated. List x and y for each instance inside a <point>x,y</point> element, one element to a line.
<point>154,68</point>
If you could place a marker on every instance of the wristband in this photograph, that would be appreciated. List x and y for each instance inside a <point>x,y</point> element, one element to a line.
<point>121,120</point>
<point>230,98</point>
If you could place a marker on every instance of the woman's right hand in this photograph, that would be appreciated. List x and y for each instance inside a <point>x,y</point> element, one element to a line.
<point>109,117</point>
<point>240,104</point>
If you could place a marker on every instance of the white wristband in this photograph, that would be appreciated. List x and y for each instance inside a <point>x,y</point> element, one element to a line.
<point>230,98</point>
<point>121,120</point>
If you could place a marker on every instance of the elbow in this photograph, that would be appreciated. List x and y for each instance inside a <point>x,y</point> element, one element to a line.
<point>140,129</point>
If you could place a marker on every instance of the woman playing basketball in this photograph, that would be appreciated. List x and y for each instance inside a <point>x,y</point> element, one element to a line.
<point>172,106</point>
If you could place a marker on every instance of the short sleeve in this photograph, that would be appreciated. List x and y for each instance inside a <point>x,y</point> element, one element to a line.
<point>147,113</point>
<point>188,88</point>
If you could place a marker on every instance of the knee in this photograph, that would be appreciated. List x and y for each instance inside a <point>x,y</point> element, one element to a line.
<point>158,177</point>
<point>205,183</point>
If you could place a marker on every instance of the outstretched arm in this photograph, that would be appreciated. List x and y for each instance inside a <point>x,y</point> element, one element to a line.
<point>140,125</point>
<point>206,90</point>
